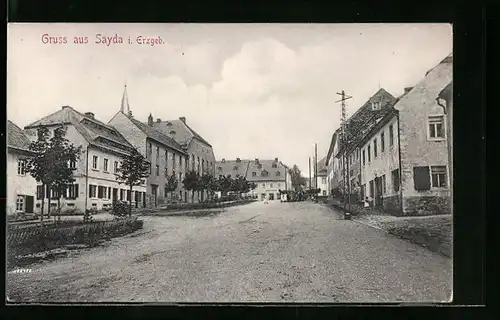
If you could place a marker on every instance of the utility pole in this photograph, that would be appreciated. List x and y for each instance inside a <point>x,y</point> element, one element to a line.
<point>309,173</point>
<point>344,141</point>
<point>316,166</point>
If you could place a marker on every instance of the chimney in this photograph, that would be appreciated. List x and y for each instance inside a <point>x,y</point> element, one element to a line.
<point>158,120</point>
<point>256,160</point>
<point>183,119</point>
<point>275,159</point>
<point>150,120</point>
<point>408,89</point>
<point>89,114</point>
<point>64,107</point>
<point>238,160</point>
<point>223,160</point>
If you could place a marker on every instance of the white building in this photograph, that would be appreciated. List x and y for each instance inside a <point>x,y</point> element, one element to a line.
<point>321,178</point>
<point>104,148</point>
<point>21,187</point>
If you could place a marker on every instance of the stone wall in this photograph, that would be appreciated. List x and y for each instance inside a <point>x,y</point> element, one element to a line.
<point>392,205</point>
<point>426,205</point>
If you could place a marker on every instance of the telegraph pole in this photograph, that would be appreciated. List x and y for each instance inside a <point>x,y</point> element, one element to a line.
<point>345,165</point>
<point>316,166</point>
<point>309,173</point>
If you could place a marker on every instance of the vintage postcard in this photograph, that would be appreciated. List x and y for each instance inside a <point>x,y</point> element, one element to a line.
<point>229,163</point>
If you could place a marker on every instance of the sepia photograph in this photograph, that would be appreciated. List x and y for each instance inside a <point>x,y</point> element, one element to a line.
<point>229,163</point>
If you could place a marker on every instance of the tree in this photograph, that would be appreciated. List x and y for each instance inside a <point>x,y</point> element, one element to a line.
<point>207,182</point>
<point>191,183</point>
<point>132,172</point>
<point>296,177</point>
<point>171,185</point>
<point>225,183</point>
<point>50,163</point>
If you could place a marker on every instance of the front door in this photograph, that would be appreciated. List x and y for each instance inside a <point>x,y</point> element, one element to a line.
<point>378,192</point>
<point>154,193</point>
<point>115,194</point>
<point>29,204</point>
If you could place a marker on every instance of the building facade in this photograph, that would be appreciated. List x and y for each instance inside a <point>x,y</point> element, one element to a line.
<point>321,178</point>
<point>165,155</point>
<point>200,153</point>
<point>21,187</point>
<point>406,167</point>
<point>270,176</point>
<point>95,186</point>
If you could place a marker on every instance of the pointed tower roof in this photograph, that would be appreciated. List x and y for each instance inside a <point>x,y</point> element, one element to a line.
<point>125,108</point>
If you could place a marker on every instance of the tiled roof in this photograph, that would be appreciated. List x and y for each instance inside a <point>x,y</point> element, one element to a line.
<point>363,119</point>
<point>156,135</point>
<point>16,138</point>
<point>332,145</point>
<point>382,120</point>
<point>183,132</point>
<point>248,167</point>
<point>95,132</point>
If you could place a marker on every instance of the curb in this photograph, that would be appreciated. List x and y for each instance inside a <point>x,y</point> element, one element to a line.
<point>371,225</point>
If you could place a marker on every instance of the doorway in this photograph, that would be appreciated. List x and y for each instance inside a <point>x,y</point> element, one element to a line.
<point>378,192</point>
<point>154,195</point>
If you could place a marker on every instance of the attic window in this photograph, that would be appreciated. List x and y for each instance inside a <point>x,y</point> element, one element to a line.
<point>278,173</point>
<point>172,132</point>
<point>275,165</point>
<point>235,168</point>
<point>264,173</point>
<point>169,124</point>
<point>376,105</point>
<point>254,174</point>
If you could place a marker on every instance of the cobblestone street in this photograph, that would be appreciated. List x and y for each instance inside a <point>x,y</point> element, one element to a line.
<point>277,252</point>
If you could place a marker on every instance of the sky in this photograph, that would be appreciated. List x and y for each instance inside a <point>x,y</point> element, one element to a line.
<point>252,90</point>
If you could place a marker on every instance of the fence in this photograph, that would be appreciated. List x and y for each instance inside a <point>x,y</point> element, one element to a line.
<point>34,234</point>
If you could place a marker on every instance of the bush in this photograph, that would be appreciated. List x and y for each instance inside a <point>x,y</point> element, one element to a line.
<point>87,217</point>
<point>120,208</point>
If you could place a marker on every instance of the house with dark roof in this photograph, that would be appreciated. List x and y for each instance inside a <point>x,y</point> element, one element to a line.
<point>200,151</point>
<point>344,143</point>
<point>270,176</point>
<point>404,155</point>
<point>165,155</point>
<point>21,187</point>
<point>104,148</point>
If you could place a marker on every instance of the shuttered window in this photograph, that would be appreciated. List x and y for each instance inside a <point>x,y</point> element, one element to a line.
<point>421,178</point>
<point>395,180</point>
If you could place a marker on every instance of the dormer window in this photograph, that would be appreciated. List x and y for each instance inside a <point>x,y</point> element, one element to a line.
<point>278,173</point>
<point>376,105</point>
<point>169,124</point>
<point>275,165</point>
<point>172,132</point>
<point>254,174</point>
<point>235,168</point>
<point>264,173</point>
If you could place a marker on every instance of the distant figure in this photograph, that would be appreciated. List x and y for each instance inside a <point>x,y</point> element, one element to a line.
<point>266,200</point>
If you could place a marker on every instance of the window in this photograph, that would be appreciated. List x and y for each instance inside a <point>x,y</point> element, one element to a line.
<point>100,192</point>
<point>166,192</point>
<point>104,192</point>
<point>279,185</point>
<point>157,152</point>
<point>383,185</point>
<point>173,160</point>
<point>150,148</point>
<point>438,174</point>
<point>421,178</point>
<point>166,172</point>
<point>94,162</point>
<point>376,105</point>
<point>375,148</point>
<point>122,194</point>
<point>271,185</point>
<point>364,157</point>
<point>382,142</point>
<point>278,173</point>
<point>109,192</point>
<point>39,193</point>
<point>72,164</point>
<point>20,203</point>
<point>21,167</point>
<point>235,168</point>
<point>115,167</point>
<point>150,168</point>
<point>157,170</point>
<point>73,191</point>
<point>128,195</point>
<point>105,165</point>
<point>180,176</point>
<point>391,135</point>
<point>275,165</point>
<point>254,174</point>
<point>436,127</point>
<point>369,154</point>
<point>264,173</point>
<point>323,180</point>
<point>92,191</point>
<point>395,180</point>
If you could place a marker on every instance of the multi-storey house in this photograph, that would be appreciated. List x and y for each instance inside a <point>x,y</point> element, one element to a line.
<point>95,186</point>
<point>165,155</point>
<point>321,177</point>
<point>21,187</point>
<point>270,176</point>
<point>201,156</point>
<point>405,155</point>
<point>356,127</point>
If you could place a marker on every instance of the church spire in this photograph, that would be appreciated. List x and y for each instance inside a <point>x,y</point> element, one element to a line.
<point>125,106</point>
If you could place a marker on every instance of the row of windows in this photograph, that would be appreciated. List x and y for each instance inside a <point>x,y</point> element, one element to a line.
<point>70,192</point>
<point>367,153</point>
<point>21,166</point>
<point>271,185</point>
<point>105,164</point>
<point>103,192</point>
